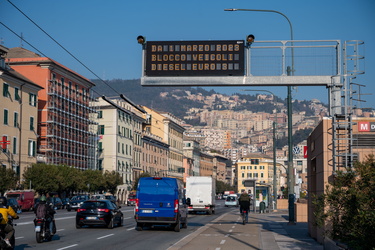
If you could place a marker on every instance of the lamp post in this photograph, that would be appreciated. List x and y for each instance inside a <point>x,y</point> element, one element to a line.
<point>290,71</point>
<point>274,186</point>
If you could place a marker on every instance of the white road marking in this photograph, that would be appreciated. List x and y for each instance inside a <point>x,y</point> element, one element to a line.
<point>21,237</point>
<point>105,236</point>
<point>222,242</point>
<point>60,230</point>
<point>130,229</point>
<point>67,247</point>
<point>32,222</point>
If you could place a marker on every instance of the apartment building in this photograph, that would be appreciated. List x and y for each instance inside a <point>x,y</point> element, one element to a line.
<point>18,118</point>
<point>63,125</point>
<point>120,139</point>
<point>169,128</point>
<point>155,155</point>
<point>192,151</point>
<point>207,167</point>
<point>257,167</point>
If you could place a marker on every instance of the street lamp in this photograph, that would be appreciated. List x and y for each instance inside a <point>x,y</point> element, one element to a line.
<point>274,124</point>
<point>290,71</point>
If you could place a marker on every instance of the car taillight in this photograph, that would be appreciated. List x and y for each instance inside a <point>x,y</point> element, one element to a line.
<point>103,210</point>
<point>81,210</point>
<point>175,206</point>
<point>136,205</point>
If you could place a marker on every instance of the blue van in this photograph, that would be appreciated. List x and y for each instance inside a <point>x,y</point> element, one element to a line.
<point>161,201</point>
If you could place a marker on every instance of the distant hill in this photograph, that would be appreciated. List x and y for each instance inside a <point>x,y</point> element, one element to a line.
<point>176,102</point>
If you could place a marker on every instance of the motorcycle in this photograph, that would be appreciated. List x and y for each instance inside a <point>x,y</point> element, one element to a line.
<point>3,245</point>
<point>41,230</point>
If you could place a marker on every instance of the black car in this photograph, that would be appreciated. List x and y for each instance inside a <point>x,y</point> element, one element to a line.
<point>76,202</point>
<point>14,204</point>
<point>99,212</point>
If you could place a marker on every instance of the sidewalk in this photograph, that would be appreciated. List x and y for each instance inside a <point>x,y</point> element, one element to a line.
<point>269,231</point>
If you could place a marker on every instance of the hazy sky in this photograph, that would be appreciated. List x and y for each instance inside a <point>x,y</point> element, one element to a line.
<point>102,34</point>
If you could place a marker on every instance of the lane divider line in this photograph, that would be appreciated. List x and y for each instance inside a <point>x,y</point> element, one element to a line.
<point>67,247</point>
<point>105,236</point>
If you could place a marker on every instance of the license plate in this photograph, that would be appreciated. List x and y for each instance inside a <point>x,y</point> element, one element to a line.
<point>91,218</point>
<point>37,229</point>
<point>147,211</point>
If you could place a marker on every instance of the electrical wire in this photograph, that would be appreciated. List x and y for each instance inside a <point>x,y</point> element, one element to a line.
<point>64,50</point>
<point>61,46</point>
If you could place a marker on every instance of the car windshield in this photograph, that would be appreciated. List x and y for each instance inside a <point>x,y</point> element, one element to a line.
<point>94,204</point>
<point>132,196</point>
<point>231,198</point>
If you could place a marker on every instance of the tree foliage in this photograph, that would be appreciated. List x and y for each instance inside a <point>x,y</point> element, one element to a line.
<point>222,186</point>
<point>347,208</point>
<point>46,178</point>
<point>8,179</point>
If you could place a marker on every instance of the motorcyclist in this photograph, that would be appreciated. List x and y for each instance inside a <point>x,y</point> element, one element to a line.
<point>48,213</point>
<point>5,211</point>
<point>244,201</point>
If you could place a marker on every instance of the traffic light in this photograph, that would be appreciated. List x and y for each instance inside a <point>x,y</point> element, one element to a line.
<point>250,39</point>
<point>141,40</point>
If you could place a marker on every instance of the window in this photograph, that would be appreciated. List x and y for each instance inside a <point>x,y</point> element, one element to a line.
<point>299,163</point>
<point>15,120</point>
<point>261,175</point>
<point>32,148</point>
<point>16,94</point>
<point>32,123</point>
<point>101,130</point>
<point>14,145</point>
<point>32,99</point>
<point>5,89</point>
<point>100,146</point>
<point>254,161</point>
<point>100,114</point>
<point>5,117</point>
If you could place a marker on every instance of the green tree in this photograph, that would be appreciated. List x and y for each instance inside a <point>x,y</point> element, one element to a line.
<point>112,180</point>
<point>347,208</point>
<point>8,179</point>
<point>93,180</point>
<point>43,178</point>
<point>222,186</point>
<point>135,185</point>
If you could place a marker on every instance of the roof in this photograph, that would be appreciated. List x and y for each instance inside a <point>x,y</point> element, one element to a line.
<point>19,55</point>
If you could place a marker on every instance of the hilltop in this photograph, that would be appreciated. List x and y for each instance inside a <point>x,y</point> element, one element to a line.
<point>179,100</point>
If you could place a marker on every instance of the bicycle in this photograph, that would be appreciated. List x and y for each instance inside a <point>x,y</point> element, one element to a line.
<point>244,215</point>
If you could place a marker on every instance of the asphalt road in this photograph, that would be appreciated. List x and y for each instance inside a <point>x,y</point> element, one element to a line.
<point>125,237</point>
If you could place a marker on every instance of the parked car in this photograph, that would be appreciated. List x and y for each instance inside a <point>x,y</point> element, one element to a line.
<point>76,202</point>
<point>231,200</point>
<point>65,202</point>
<point>56,202</point>
<point>14,204</point>
<point>99,212</point>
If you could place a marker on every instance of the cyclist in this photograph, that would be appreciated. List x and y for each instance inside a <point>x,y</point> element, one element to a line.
<point>6,210</point>
<point>244,201</point>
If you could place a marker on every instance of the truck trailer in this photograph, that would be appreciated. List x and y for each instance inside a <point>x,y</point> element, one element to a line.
<point>200,193</point>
